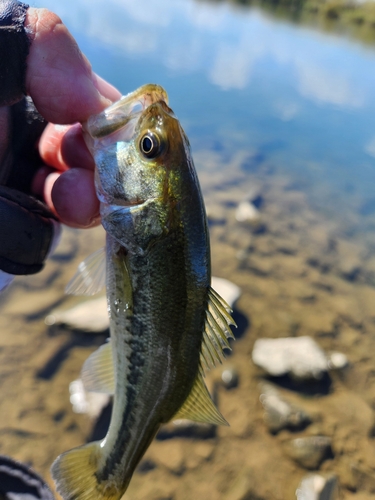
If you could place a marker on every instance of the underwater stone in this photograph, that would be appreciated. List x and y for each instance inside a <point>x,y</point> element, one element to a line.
<point>300,357</point>
<point>318,487</point>
<point>226,289</point>
<point>310,451</point>
<point>90,403</point>
<point>246,211</point>
<point>88,316</point>
<point>229,378</point>
<point>337,361</point>
<point>279,413</point>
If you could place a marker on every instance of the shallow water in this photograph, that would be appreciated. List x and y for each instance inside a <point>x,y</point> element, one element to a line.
<point>273,109</point>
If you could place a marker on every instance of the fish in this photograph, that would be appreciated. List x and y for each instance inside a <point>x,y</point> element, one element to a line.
<point>167,325</point>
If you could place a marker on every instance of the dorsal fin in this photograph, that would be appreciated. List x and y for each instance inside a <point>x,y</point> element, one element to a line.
<point>89,278</point>
<point>216,332</point>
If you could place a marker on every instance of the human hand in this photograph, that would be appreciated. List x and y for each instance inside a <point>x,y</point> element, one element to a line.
<point>65,90</point>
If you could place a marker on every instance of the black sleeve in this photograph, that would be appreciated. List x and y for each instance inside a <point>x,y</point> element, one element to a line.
<point>26,227</point>
<point>26,232</point>
<point>14,48</point>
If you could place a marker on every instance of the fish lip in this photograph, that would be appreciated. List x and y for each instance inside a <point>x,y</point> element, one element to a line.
<point>127,203</point>
<point>116,205</point>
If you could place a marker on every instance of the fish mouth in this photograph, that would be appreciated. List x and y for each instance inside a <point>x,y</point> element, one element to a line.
<point>122,206</point>
<point>127,203</point>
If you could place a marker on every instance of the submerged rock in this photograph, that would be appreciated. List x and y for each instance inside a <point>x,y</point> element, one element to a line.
<point>228,290</point>
<point>310,451</point>
<point>300,357</point>
<point>90,403</point>
<point>279,413</point>
<point>229,378</point>
<point>247,211</point>
<point>88,316</point>
<point>337,361</point>
<point>318,487</point>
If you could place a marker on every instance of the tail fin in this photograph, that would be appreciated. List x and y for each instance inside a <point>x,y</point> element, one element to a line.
<point>74,473</point>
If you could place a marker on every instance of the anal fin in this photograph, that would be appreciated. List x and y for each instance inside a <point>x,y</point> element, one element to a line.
<point>199,406</point>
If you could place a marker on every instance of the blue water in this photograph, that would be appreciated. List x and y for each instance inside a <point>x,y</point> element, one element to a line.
<point>237,79</point>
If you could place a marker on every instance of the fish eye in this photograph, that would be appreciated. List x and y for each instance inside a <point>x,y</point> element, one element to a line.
<point>150,145</point>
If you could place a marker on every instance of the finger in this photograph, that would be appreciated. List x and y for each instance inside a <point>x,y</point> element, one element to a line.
<point>63,146</point>
<point>59,78</point>
<point>72,197</point>
<point>50,146</point>
<point>37,186</point>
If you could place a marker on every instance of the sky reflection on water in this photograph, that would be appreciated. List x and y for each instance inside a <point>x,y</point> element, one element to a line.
<point>238,78</point>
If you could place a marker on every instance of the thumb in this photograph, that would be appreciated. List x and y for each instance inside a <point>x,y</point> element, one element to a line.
<point>59,78</point>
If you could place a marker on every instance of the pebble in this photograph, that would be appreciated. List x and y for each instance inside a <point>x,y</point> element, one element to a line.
<point>300,357</point>
<point>88,316</point>
<point>246,211</point>
<point>318,487</point>
<point>279,413</point>
<point>310,451</point>
<point>337,361</point>
<point>229,378</point>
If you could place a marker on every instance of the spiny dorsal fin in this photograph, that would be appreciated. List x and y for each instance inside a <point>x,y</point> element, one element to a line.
<point>216,332</point>
<point>89,278</point>
<point>97,372</point>
<point>199,406</point>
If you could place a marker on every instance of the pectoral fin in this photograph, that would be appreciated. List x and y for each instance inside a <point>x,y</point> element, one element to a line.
<point>199,406</point>
<point>97,372</point>
<point>90,276</point>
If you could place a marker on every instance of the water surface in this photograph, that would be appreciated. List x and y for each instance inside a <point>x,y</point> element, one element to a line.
<point>239,79</point>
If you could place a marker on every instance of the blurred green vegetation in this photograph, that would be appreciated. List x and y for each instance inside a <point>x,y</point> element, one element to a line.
<point>350,17</point>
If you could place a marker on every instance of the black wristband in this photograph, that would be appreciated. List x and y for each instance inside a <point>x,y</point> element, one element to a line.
<point>26,232</point>
<point>14,48</point>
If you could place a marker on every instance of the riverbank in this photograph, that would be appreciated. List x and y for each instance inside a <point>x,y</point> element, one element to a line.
<point>354,18</point>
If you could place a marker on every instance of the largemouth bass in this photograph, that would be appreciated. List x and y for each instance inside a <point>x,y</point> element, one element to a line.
<point>167,324</point>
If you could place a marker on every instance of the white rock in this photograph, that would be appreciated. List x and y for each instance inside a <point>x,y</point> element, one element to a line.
<point>90,316</point>
<point>246,211</point>
<point>298,356</point>
<point>280,413</point>
<point>91,403</point>
<point>226,289</point>
<point>337,361</point>
<point>318,487</point>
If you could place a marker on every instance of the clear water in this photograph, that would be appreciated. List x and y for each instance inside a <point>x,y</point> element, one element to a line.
<point>238,79</point>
